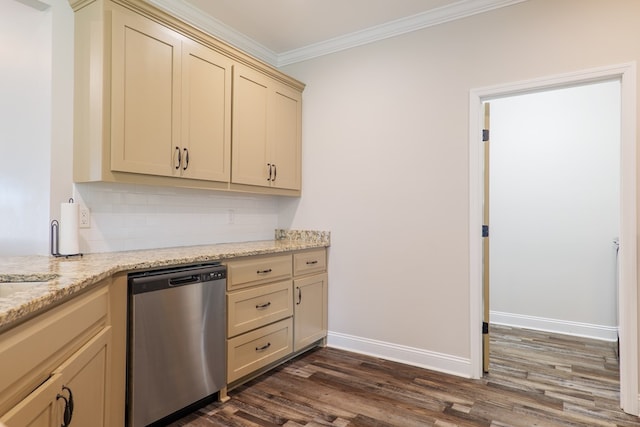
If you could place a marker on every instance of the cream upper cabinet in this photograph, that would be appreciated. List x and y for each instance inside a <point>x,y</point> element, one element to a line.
<point>145,93</point>
<point>267,119</point>
<point>153,105</point>
<point>206,113</point>
<point>171,103</point>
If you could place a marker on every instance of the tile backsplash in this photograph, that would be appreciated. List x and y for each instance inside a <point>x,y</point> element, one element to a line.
<point>127,217</point>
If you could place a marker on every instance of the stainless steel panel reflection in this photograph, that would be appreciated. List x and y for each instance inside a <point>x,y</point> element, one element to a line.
<point>177,349</point>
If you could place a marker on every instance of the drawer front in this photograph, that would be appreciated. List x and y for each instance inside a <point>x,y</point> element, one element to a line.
<point>258,306</point>
<point>254,350</point>
<point>309,262</point>
<point>255,271</point>
<point>30,352</point>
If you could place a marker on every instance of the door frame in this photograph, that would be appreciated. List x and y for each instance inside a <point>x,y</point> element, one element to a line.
<point>628,274</point>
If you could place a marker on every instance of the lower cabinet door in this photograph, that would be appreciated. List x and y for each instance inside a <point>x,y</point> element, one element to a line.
<point>310,310</point>
<point>256,349</point>
<point>85,376</point>
<point>40,408</point>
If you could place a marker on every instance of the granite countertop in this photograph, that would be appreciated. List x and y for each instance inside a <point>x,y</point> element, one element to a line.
<point>59,278</point>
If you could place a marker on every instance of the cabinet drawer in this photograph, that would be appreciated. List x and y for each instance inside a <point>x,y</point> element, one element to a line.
<point>256,349</point>
<point>30,352</point>
<point>309,262</point>
<point>255,307</point>
<point>255,271</point>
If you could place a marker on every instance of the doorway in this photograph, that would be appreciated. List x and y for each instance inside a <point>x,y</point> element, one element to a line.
<point>554,202</point>
<point>626,75</point>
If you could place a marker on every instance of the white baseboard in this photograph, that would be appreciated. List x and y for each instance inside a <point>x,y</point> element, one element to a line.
<point>399,353</point>
<point>605,333</point>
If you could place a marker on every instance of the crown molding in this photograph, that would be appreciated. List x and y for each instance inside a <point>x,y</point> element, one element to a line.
<point>458,10</point>
<point>197,18</point>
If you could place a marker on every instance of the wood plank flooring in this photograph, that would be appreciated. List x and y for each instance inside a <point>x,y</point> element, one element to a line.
<point>536,379</point>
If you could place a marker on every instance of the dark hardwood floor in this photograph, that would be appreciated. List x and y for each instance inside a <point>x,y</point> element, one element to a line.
<point>536,379</point>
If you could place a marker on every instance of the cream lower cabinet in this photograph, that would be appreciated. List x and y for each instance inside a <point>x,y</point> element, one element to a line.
<point>82,379</point>
<point>310,295</point>
<point>259,313</point>
<point>270,316</point>
<point>68,362</point>
<point>40,408</point>
<point>310,315</point>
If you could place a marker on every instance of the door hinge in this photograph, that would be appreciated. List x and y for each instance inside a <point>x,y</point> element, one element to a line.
<point>485,231</point>
<point>485,328</point>
<point>485,135</point>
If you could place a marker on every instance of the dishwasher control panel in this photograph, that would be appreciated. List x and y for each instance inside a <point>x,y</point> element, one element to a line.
<point>214,275</point>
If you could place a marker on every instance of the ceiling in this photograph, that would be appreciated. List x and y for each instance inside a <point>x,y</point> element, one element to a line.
<point>285,25</point>
<point>286,31</point>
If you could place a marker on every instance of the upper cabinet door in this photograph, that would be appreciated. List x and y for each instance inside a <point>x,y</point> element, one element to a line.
<point>206,113</point>
<point>267,119</point>
<point>250,104</point>
<point>286,137</point>
<point>145,109</point>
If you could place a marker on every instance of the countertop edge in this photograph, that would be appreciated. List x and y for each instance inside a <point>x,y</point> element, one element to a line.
<point>74,275</point>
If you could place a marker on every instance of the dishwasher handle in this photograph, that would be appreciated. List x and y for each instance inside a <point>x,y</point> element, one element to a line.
<point>184,280</point>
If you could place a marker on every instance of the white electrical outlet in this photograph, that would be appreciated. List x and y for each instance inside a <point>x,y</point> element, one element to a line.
<point>85,217</point>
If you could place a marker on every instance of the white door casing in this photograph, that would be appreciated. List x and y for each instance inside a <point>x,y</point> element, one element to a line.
<point>628,295</point>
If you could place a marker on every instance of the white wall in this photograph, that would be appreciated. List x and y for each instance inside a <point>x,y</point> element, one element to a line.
<point>386,163</point>
<point>555,172</point>
<point>62,102</point>
<point>25,128</point>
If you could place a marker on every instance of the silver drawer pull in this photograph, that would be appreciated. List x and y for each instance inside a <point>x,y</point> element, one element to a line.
<point>312,262</point>
<point>264,271</point>
<point>263,306</point>
<point>264,347</point>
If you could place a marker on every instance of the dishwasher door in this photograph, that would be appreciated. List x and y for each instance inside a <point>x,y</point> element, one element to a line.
<point>177,356</point>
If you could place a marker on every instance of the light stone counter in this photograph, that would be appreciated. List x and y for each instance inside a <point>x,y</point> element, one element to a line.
<point>59,278</point>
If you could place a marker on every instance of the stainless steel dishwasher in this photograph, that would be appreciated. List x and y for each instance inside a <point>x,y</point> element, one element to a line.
<point>176,343</point>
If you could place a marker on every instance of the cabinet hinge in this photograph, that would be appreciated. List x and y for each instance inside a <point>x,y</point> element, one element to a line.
<point>485,231</point>
<point>485,135</point>
<point>485,328</point>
